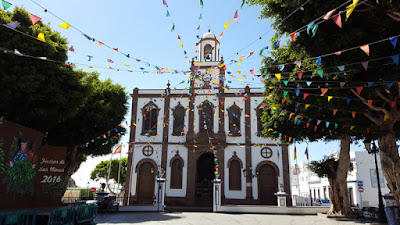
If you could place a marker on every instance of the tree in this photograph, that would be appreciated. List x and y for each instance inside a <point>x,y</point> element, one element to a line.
<point>101,171</point>
<point>328,167</point>
<point>331,116</point>
<point>73,107</point>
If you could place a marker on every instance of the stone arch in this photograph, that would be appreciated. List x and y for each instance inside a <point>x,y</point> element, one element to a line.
<point>235,157</point>
<point>267,162</point>
<point>144,161</point>
<point>149,122</point>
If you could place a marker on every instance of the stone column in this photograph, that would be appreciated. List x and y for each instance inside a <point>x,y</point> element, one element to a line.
<point>247,119</point>
<point>160,194</point>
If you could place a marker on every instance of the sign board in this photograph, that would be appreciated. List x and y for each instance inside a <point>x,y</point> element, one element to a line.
<point>360,189</point>
<point>93,190</point>
<point>360,183</point>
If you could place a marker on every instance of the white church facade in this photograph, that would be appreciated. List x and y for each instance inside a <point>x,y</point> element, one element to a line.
<point>191,136</point>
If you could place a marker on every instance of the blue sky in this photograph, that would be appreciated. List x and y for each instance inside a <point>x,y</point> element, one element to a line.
<point>142,29</point>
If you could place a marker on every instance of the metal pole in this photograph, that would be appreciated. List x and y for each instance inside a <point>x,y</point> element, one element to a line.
<point>381,210</point>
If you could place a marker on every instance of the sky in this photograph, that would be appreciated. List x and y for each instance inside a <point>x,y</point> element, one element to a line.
<point>142,29</point>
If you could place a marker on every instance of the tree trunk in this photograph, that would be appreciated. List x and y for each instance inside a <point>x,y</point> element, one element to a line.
<point>390,163</point>
<point>70,166</point>
<point>339,195</point>
<point>108,186</point>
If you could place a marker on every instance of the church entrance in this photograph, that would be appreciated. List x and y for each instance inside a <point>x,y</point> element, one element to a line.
<point>205,175</point>
<point>145,182</point>
<point>267,185</point>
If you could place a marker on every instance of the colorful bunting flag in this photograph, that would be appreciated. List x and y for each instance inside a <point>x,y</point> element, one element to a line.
<point>295,152</point>
<point>198,28</point>
<point>370,103</point>
<point>298,63</point>
<point>365,65</point>
<point>324,90</point>
<point>165,3</point>
<point>306,152</point>
<point>338,19</point>
<point>350,8</point>
<point>285,93</point>
<point>305,95</point>
<point>167,15</point>
<point>299,74</point>
<point>5,4</point>
<point>173,27</point>
<point>278,76</point>
<point>365,48</point>
<point>34,19</point>
<point>329,98</point>
<point>220,36</point>
<point>71,48</point>
<point>320,72</point>
<point>241,6</point>
<point>201,3</point>
<point>353,114</point>
<point>226,24</point>
<point>393,40</point>
<point>395,59</point>
<point>341,68</point>
<point>41,37</point>
<point>329,14</point>
<point>11,25</point>
<point>293,36</point>
<point>236,17</point>
<point>318,60</point>
<point>359,89</point>
<point>252,72</point>
<point>335,111</point>
<point>65,25</point>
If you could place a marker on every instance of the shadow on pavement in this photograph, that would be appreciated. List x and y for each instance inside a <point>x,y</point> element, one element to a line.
<point>135,217</point>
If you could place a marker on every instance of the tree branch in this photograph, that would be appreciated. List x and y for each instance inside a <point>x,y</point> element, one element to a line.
<point>376,121</point>
<point>380,94</point>
<point>372,106</point>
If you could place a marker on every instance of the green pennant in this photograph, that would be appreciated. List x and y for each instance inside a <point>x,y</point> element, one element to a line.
<point>242,4</point>
<point>265,70</point>
<point>336,125</point>
<point>157,68</point>
<point>201,3</point>
<point>314,29</point>
<point>5,4</point>
<point>285,82</point>
<point>273,111</point>
<point>261,52</point>
<point>320,72</point>
<point>173,27</point>
<point>285,93</point>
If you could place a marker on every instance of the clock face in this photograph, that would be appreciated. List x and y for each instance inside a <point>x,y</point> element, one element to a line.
<point>207,77</point>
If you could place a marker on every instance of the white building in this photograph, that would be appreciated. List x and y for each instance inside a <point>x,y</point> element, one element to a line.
<point>199,133</point>
<point>307,185</point>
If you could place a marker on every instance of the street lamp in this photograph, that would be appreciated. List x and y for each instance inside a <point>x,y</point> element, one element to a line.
<point>249,173</point>
<point>374,150</point>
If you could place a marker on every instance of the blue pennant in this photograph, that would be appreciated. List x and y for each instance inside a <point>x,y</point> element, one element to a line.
<point>389,85</point>
<point>341,68</point>
<point>348,100</point>
<point>370,84</point>
<point>318,60</point>
<point>297,91</point>
<point>393,40</point>
<point>395,59</point>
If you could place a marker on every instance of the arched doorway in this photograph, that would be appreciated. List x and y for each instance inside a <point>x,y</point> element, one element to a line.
<point>267,185</point>
<point>205,175</point>
<point>145,183</point>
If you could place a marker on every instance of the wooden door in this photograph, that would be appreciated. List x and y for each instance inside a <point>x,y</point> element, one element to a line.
<point>146,182</point>
<point>267,185</point>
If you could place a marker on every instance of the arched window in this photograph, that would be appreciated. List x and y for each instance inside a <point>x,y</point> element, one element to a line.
<point>235,174</point>
<point>207,53</point>
<point>176,172</point>
<point>234,114</point>
<point>206,117</point>
<point>150,115</point>
<point>179,120</point>
<point>260,112</point>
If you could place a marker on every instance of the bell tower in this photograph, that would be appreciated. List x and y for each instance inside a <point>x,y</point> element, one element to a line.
<point>208,72</point>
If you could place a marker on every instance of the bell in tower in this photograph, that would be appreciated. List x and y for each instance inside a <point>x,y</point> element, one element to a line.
<point>208,48</point>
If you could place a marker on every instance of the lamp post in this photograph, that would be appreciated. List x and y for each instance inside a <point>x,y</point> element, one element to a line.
<point>374,150</point>
<point>249,173</point>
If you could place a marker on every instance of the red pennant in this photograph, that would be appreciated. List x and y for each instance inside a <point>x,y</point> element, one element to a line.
<point>179,37</point>
<point>283,101</point>
<point>197,44</point>
<point>393,103</point>
<point>305,95</point>
<point>293,36</point>
<point>359,89</point>
<point>344,126</point>
<point>365,48</point>
<point>285,137</point>
<point>335,111</point>
<point>315,128</point>
<point>71,48</point>
<point>337,19</point>
<point>308,124</point>
<point>301,117</point>
<point>353,114</point>
<point>370,103</point>
<point>300,73</point>
<point>34,19</point>
<point>291,114</point>
<point>116,49</point>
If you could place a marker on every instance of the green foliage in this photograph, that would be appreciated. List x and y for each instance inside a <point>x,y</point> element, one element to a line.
<point>326,167</point>
<point>71,183</point>
<point>2,155</point>
<point>367,24</point>
<point>101,170</point>
<point>72,106</point>
<point>86,193</point>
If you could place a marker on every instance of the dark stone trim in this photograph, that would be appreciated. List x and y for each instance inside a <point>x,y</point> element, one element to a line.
<point>267,162</point>
<point>286,171</point>
<point>178,157</point>
<point>164,147</point>
<point>139,164</point>
<point>249,189</point>
<point>131,143</point>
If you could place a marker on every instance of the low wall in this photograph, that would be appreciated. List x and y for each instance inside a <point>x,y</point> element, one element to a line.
<point>140,208</point>
<point>308,210</point>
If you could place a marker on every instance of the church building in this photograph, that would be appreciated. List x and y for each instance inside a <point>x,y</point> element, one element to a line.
<point>192,136</point>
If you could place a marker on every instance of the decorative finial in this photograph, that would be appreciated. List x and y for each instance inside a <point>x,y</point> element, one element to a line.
<point>209,30</point>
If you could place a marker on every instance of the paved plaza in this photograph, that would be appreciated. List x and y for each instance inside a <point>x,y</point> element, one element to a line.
<point>194,218</point>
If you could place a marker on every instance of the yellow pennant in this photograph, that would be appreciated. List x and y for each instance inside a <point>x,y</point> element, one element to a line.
<point>329,98</point>
<point>239,71</point>
<point>307,105</point>
<point>352,127</point>
<point>181,45</point>
<point>240,79</point>
<point>226,25</point>
<point>240,61</point>
<point>350,8</point>
<point>278,76</point>
<point>40,37</point>
<point>65,25</point>
<point>385,117</point>
<point>201,63</point>
<point>126,64</point>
